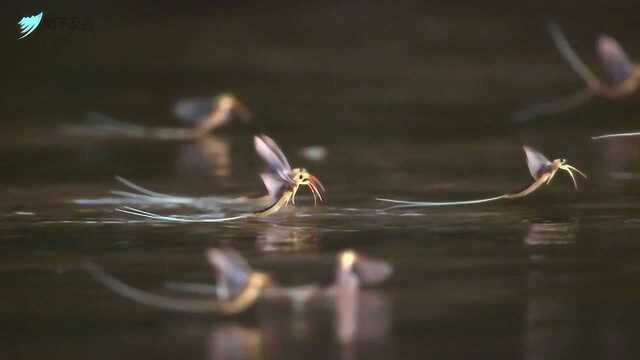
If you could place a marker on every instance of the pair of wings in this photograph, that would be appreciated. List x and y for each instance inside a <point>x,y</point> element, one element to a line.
<point>371,271</point>
<point>276,178</point>
<point>536,162</point>
<point>195,111</point>
<point>615,61</point>
<point>232,272</point>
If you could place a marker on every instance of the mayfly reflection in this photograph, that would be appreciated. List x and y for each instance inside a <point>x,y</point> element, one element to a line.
<point>238,287</point>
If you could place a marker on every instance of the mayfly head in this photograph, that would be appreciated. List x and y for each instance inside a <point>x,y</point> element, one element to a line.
<point>367,270</point>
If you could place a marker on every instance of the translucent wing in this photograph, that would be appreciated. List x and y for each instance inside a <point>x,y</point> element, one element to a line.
<point>615,61</point>
<point>195,110</point>
<point>232,272</point>
<point>272,155</point>
<point>371,271</point>
<point>535,161</point>
<point>274,184</point>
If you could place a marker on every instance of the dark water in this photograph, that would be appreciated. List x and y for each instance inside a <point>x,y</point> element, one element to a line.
<point>411,102</point>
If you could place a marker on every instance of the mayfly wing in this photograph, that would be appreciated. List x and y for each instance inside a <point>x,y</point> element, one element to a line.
<point>276,149</point>
<point>615,61</point>
<point>372,271</point>
<point>274,184</point>
<point>565,49</point>
<point>232,271</point>
<point>139,188</point>
<point>229,262</point>
<point>194,111</point>
<point>271,153</point>
<point>535,161</point>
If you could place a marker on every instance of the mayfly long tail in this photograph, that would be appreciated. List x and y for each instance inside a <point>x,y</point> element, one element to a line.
<point>193,288</point>
<point>408,204</point>
<point>139,188</point>
<point>147,298</point>
<point>555,106</point>
<point>145,214</point>
<point>570,55</point>
<point>610,136</point>
<point>142,199</point>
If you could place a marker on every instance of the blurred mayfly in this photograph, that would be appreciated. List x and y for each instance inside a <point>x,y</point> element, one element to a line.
<point>622,75</point>
<point>542,170</point>
<point>238,286</point>
<point>202,115</point>
<point>282,183</point>
<point>207,116</point>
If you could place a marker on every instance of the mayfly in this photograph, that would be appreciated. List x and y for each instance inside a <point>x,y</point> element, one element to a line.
<point>358,313</point>
<point>623,75</point>
<point>542,170</point>
<point>282,183</point>
<point>202,115</point>
<point>238,286</point>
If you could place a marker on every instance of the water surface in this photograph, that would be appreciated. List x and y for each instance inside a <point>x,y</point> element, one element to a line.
<point>418,110</point>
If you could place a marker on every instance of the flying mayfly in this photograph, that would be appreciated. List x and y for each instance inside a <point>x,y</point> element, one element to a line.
<point>238,286</point>
<point>282,183</point>
<point>202,115</point>
<point>542,170</point>
<point>623,75</point>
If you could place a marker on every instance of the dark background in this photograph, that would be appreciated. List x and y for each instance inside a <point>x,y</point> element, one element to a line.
<point>332,65</point>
